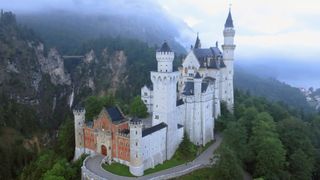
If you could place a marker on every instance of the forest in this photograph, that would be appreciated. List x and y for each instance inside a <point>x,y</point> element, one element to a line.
<point>268,140</point>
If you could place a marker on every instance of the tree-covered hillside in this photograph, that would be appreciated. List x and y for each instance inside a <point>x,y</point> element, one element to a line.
<point>271,89</point>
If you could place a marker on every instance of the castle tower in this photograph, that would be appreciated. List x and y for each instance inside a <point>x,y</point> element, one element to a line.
<point>79,118</point>
<point>165,96</point>
<point>228,57</point>
<point>197,124</point>
<point>136,159</point>
<point>164,86</point>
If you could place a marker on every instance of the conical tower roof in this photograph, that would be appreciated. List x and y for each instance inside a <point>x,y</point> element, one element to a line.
<point>229,21</point>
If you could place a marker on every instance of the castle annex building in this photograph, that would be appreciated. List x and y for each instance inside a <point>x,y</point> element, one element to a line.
<point>187,100</point>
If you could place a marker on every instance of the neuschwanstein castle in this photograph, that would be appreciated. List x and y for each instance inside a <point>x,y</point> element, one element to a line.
<point>181,101</point>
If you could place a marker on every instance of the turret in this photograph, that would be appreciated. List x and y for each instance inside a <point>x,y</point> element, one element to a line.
<point>228,57</point>
<point>197,45</point>
<point>228,34</point>
<point>165,58</point>
<point>136,160</point>
<point>79,119</point>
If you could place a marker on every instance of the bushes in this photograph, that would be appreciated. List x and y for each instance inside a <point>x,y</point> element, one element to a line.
<point>187,150</point>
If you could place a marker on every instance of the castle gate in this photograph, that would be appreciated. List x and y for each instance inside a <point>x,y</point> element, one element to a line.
<point>103,150</point>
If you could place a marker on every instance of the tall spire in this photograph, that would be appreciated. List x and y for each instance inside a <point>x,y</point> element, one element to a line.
<point>198,43</point>
<point>229,22</point>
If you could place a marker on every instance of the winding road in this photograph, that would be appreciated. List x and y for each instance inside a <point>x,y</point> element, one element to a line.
<point>93,164</point>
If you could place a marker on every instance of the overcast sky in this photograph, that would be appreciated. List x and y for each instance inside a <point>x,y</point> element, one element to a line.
<point>285,28</point>
<point>277,29</point>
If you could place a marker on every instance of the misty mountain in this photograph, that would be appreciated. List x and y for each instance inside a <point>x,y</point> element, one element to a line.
<point>291,71</point>
<point>270,88</point>
<point>66,28</point>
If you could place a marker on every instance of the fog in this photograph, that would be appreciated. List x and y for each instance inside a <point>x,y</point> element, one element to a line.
<point>83,6</point>
<point>293,72</point>
<point>295,64</point>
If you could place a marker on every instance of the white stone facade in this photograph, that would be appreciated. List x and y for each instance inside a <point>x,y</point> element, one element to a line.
<point>79,119</point>
<point>205,79</point>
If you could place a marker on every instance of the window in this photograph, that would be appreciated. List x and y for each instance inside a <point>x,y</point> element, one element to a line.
<point>156,117</point>
<point>136,143</point>
<point>136,132</point>
<point>145,101</point>
<point>146,94</point>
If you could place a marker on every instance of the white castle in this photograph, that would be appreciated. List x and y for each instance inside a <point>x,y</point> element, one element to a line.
<point>204,80</point>
<point>185,101</point>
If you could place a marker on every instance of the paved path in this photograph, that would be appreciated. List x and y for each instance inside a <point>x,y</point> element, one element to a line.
<point>93,164</point>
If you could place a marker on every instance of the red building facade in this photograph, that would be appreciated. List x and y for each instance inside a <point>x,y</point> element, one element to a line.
<point>110,122</point>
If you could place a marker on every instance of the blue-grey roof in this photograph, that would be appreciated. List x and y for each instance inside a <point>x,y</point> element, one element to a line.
<point>89,124</point>
<point>212,53</point>
<point>229,21</point>
<point>115,114</point>
<point>197,76</point>
<point>209,79</point>
<point>150,87</point>
<point>180,102</point>
<point>197,44</point>
<point>165,48</point>
<point>204,86</point>
<point>153,129</point>
<point>189,87</point>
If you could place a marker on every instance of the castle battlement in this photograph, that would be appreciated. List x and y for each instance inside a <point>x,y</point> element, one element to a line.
<point>165,56</point>
<point>135,122</point>
<point>79,111</point>
<point>126,135</point>
<point>165,77</point>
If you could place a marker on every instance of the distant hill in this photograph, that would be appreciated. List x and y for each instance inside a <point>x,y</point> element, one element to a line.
<point>271,89</point>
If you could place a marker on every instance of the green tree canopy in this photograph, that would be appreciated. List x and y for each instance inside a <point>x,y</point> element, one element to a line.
<point>269,152</point>
<point>300,166</point>
<point>60,170</point>
<point>227,166</point>
<point>66,139</point>
<point>235,135</point>
<point>138,108</point>
<point>94,105</point>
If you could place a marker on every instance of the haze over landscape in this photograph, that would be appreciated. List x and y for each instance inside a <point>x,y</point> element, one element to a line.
<point>79,77</point>
<point>282,34</point>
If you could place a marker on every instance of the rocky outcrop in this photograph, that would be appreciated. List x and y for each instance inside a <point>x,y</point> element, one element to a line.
<point>89,57</point>
<point>53,65</point>
<point>117,66</point>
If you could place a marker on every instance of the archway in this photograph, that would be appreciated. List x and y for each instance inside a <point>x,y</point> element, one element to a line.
<point>103,150</point>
